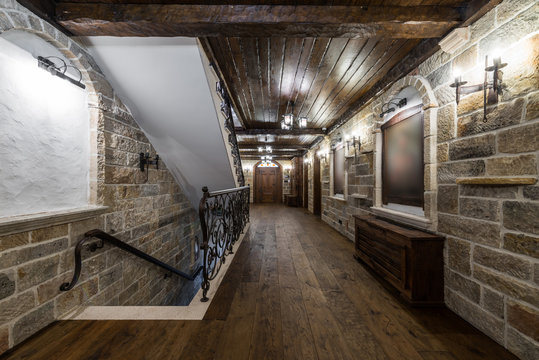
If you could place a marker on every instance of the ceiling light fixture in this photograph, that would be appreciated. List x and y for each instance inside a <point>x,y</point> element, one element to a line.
<point>47,64</point>
<point>288,119</point>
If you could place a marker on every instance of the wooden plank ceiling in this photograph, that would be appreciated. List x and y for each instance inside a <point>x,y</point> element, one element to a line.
<point>327,58</point>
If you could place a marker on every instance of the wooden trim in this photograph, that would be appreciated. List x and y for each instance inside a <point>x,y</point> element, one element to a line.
<point>277,132</point>
<point>317,187</point>
<point>496,180</point>
<point>403,115</point>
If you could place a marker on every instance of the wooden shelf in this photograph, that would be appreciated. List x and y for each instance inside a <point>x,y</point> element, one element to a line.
<point>497,180</point>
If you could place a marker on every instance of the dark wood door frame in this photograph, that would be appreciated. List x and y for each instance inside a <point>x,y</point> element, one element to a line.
<point>305,185</point>
<point>317,187</point>
<point>256,197</point>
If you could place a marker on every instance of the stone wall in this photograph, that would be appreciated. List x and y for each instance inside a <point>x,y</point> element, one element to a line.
<point>491,257</point>
<point>145,209</point>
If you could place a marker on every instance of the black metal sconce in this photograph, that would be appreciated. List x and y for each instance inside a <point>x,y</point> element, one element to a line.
<point>400,103</point>
<point>145,161</point>
<point>356,143</point>
<point>60,71</point>
<point>494,87</point>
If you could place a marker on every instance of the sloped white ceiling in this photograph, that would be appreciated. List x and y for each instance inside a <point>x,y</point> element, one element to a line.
<point>162,82</point>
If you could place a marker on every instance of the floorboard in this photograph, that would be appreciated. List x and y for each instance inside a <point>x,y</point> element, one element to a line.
<point>293,291</point>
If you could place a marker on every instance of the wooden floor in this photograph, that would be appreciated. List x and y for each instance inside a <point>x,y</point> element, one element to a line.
<point>293,291</point>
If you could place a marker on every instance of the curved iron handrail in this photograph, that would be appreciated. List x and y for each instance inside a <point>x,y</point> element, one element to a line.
<point>223,216</point>
<point>104,237</point>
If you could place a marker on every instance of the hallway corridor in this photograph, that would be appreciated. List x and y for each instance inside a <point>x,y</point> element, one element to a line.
<point>293,291</point>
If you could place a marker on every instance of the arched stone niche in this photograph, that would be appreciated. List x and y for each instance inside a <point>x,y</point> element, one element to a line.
<point>100,99</point>
<point>428,100</point>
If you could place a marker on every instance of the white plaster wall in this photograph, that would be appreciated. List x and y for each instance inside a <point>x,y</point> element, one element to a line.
<point>162,82</point>
<point>44,132</point>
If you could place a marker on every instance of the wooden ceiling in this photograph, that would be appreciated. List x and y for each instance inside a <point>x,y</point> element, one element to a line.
<point>328,58</point>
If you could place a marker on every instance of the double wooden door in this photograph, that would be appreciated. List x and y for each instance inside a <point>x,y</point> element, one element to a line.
<point>267,185</point>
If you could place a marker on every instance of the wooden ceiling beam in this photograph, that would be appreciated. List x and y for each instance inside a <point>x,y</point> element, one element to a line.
<point>280,132</point>
<point>254,147</point>
<point>95,19</point>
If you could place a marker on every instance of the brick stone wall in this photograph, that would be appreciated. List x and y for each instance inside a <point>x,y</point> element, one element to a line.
<point>147,210</point>
<point>491,257</point>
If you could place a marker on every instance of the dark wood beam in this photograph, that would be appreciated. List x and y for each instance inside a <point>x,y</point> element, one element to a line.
<point>257,20</point>
<point>411,61</point>
<point>45,9</point>
<point>276,147</point>
<point>252,157</point>
<point>279,132</point>
<point>285,154</point>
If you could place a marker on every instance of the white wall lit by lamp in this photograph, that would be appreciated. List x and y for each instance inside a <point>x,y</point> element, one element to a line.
<point>44,131</point>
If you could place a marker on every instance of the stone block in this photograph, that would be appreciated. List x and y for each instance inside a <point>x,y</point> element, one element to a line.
<point>523,318</point>
<point>7,284</point>
<point>440,76</point>
<point>119,175</point>
<point>49,233</point>
<point>115,157</point>
<point>448,198</point>
<point>468,288</point>
<point>36,272</point>
<point>50,289</point>
<point>110,276</point>
<point>512,165</point>
<point>499,116</point>
<point>493,302</point>
<point>507,9</point>
<point>445,95</point>
<point>521,139</point>
<point>466,60</point>
<point>479,208</point>
<point>79,228</point>
<point>4,337</point>
<point>459,254</point>
<point>503,262</point>
<point>127,293</point>
<point>521,216</point>
<point>487,323</point>
<point>478,231</point>
<point>479,146</point>
<point>524,348</point>
<point>449,172</point>
<point>11,241</point>
<point>532,107</point>
<point>114,222</point>
<point>93,266</point>
<point>521,244</point>
<point>442,153</point>
<point>482,26</point>
<point>16,306</point>
<point>507,285</point>
<point>79,295</point>
<point>446,123</point>
<point>531,192</point>
<point>491,191</point>
<point>20,256</point>
<point>32,322</point>
<point>521,75</point>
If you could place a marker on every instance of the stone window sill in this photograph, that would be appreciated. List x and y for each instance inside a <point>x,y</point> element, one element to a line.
<point>20,223</point>
<point>338,198</point>
<point>358,196</point>
<point>496,180</point>
<point>409,219</point>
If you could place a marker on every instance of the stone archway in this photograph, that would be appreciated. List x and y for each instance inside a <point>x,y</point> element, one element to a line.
<point>430,109</point>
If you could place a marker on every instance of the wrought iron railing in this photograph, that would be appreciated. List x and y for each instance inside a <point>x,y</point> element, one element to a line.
<point>223,216</point>
<point>226,110</point>
<point>104,237</point>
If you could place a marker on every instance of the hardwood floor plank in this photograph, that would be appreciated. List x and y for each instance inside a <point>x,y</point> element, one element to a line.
<point>293,291</point>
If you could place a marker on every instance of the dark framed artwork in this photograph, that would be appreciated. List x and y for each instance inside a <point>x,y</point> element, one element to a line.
<point>402,158</point>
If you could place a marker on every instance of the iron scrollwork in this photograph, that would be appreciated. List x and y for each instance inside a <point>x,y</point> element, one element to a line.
<point>223,216</point>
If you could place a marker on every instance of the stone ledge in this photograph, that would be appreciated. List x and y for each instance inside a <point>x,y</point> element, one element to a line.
<point>405,218</point>
<point>337,198</point>
<point>496,180</point>
<point>16,224</point>
<point>358,196</point>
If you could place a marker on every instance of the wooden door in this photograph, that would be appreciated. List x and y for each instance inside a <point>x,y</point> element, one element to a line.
<point>267,185</point>
<point>317,187</point>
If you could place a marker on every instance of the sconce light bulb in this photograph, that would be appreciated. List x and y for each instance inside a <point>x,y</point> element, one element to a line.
<point>457,73</point>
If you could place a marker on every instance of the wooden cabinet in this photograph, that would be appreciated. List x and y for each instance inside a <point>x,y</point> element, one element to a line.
<point>411,260</point>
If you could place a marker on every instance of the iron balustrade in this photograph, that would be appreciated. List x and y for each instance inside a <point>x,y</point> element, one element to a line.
<point>223,216</point>
<point>104,237</point>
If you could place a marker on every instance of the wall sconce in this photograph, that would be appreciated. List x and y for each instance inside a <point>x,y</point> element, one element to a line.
<point>322,154</point>
<point>494,87</point>
<point>389,108</point>
<point>145,161</point>
<point>247,169</point>
<point>355,142</point>
<point>60,71</point>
